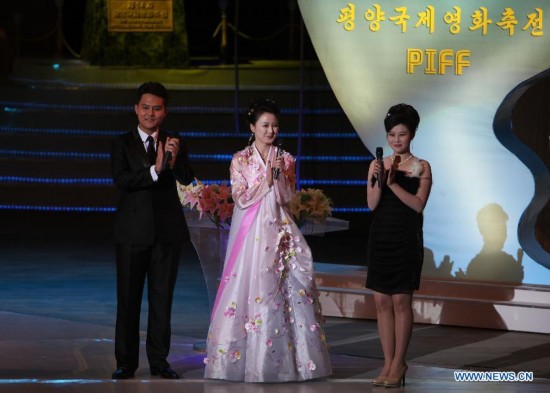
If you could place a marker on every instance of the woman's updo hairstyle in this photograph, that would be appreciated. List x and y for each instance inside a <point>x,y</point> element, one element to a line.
<point>259,107</point>
<point>402,114</point>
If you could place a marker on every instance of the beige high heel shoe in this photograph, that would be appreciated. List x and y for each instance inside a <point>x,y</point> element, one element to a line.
<point>396,382</point>
<point>379,380</point>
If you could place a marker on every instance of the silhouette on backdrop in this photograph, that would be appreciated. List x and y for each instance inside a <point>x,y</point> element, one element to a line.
<point>430,269</point>
<point>492,263</point>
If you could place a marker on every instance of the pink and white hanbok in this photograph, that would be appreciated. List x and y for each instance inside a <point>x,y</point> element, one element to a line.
<point>266,323</point>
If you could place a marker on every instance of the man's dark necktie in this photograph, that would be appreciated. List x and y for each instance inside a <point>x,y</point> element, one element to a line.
<point>151,153</point>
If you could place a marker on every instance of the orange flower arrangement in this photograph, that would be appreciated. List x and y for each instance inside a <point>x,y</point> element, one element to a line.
<point>310,204</point>
<point>214,200</point>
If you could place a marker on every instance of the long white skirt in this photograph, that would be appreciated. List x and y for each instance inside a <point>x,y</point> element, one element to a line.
<point>266,323</point>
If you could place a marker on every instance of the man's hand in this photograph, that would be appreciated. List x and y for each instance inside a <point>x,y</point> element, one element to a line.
<point>172,146</point>
<point>160,157</point>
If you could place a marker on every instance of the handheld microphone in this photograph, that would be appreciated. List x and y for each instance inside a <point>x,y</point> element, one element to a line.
<point>166,160</point>
<point>279,153</point>
<point>167,156</point>
<point>379,155</point>
<point>378,177</point>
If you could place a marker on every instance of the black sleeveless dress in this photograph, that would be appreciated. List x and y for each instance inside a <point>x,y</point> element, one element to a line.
<point>395,247</point>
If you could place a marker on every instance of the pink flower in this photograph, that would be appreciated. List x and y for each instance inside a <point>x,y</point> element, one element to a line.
<point>254,325</point>
<point>190,194</point>
<point>250,326</point>
<point>214,200</point>
<point>231,310</point>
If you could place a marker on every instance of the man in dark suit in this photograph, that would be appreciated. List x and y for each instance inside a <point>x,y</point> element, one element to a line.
<point>149,231</point>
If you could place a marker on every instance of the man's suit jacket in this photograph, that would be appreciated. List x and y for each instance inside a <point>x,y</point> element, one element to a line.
<point>147,209</point>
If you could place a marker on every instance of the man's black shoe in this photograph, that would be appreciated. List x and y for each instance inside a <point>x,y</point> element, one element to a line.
<point>166,373</point>
<point>123,373</point>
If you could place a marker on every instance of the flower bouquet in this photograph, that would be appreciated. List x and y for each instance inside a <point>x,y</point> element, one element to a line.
<point>310,204</point>
<point>213,199</point>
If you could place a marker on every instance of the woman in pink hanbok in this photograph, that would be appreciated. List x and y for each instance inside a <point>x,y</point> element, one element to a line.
<point>266,323</point>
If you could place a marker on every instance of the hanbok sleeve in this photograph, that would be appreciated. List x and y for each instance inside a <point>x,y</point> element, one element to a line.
<point>286,184</point>
<point>245,193</point>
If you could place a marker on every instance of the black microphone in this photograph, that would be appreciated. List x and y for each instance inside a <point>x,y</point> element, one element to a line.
<point>379,155</point>
<point>166,160</point>
<point>167,157</point>
<point>279,153</point>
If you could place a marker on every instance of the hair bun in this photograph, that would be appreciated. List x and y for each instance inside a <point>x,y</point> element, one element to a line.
<point>402,114</point>
<point>260,106</point>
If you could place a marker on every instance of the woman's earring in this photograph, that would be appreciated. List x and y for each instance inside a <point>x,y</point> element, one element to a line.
<point>251,139</point>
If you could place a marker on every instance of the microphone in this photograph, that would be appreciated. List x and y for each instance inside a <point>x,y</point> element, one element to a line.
<point>166,160</point>
<point>279,153</point>
<point>379,155</point>
<point>167,156</point>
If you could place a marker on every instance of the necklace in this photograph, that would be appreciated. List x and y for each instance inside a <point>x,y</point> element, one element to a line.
<point>263,155</point>
<point>402,162</point>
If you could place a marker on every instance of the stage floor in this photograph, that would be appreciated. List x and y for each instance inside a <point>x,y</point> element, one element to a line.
<point>57,319</point>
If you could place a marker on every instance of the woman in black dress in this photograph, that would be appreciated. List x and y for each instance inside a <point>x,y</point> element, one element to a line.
<point>398,190</point>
